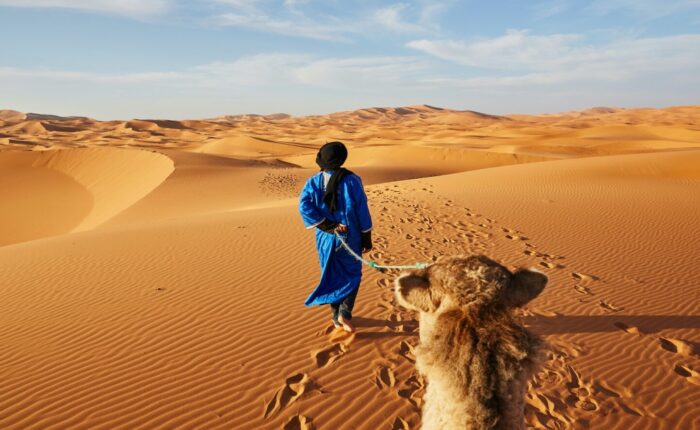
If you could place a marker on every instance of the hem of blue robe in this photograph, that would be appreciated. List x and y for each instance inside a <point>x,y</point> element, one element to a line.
<point>319,301</point>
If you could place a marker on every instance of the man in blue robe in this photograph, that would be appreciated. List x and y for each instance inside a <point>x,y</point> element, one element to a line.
<point>331,201</point>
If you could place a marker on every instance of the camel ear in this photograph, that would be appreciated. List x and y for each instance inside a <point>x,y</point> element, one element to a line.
<point>413,292</point>
<point>525,286</point>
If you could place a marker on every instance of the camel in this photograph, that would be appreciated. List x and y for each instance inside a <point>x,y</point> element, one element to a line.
<point>474,355</point>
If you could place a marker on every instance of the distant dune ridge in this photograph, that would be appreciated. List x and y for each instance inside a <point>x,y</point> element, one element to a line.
<point>153,272</point>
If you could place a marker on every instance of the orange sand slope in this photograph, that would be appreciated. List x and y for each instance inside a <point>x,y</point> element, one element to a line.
<point>153,272</point>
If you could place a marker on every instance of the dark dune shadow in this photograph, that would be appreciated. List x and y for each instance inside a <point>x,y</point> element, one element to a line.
<point>609,323</point>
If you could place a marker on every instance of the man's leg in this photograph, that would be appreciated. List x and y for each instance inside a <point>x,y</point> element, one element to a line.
<point>348,303</point>
<point>335,307</point>
<point>345,310</point>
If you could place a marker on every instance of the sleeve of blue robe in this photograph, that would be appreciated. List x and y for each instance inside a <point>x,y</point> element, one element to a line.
<point>341,273</point>
<point>311,214</point>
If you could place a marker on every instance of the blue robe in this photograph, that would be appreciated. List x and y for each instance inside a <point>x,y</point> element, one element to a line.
<point>340,272</point>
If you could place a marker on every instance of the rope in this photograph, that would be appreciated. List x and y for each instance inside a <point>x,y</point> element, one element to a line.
<point>373,264</point>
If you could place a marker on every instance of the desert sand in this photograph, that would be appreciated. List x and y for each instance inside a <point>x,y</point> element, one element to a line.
<point>153,272</point>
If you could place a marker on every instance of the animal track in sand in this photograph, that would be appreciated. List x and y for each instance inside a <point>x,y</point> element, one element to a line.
<point>294,387</point>
<point>400,424</point>
<point>328,355</point>
<point>691,375</point>
<point>299,422</point>
<point>414,388</point>
<point>384,377</point>
<point>584,277</point>
<point>609,306</point>
<point>549,265</point>
<point>582,289</point>
<point>376,255</point>
<point>383,283</point>
<point>516,237</point>
<point>628,328</point>
<point>551,408</point>
<point>407,351</point>
<point>544,313</point>
<point>677,346</point>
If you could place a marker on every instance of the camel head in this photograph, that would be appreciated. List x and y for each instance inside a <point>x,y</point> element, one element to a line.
<point>467,283</point>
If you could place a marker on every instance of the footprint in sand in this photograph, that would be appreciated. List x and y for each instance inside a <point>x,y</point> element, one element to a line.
<point>384,283</point>
<point>583,290</point>
<point>546,409</point>
<point>294,387</point>
<point>678,346</point>
<point>628,328</point>
<point>400,424</point>
<point>516,237</point>
<point>609,306</point>
<point>376,255</point>
<point>414,388</point>
<point>386,305</point>
<point>584,277</point>
<point>407,351</point>
<point>552,257</point>
<point>549,265</point>
<point>299,422</point>
<point>384,377</point>
<point>691,375</point>
<point>329,354</point>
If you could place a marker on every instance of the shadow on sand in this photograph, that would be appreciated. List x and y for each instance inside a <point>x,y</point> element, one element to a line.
<point>608,323</point>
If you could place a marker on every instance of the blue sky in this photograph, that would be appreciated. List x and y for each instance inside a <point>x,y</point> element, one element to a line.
<point>112,59</point>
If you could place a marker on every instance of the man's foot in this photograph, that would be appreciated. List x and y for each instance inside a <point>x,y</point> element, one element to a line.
<point>347,325</point>
<point>336,324</point>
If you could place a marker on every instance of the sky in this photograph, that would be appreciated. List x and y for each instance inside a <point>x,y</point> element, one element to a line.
<point>177,59</point>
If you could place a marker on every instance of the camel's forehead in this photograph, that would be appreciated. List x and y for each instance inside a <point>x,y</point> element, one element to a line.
<point>468,270</point>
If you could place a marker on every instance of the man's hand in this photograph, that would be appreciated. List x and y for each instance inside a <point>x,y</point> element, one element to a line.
<point>341,228</point>
<point>328,226</point>
<point>367,241</point>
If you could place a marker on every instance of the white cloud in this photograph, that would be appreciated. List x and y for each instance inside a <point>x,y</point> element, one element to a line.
<point>266,70</point>
<point>390,18</point>
<point>260,69</point>
<point>259,21</point>
<point>104,78</point>
<point>130,8</point>
<point>364,73</point>
<point>514,50</point>
<point>396,17</point>
<point>558,59</point>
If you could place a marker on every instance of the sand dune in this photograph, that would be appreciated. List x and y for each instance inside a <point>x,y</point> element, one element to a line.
<point>153,272</point>
<point>55,192</point>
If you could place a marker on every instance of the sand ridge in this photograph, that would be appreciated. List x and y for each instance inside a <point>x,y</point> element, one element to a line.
<point>166,289</point>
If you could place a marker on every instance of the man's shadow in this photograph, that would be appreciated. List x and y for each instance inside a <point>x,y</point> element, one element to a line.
<point>406,328</point>
<point>645,324</point>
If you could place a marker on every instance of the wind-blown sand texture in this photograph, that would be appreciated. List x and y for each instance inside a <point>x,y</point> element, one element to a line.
<point>153,272</point>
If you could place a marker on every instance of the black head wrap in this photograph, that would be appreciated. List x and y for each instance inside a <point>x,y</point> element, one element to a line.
<point>331,156</point>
